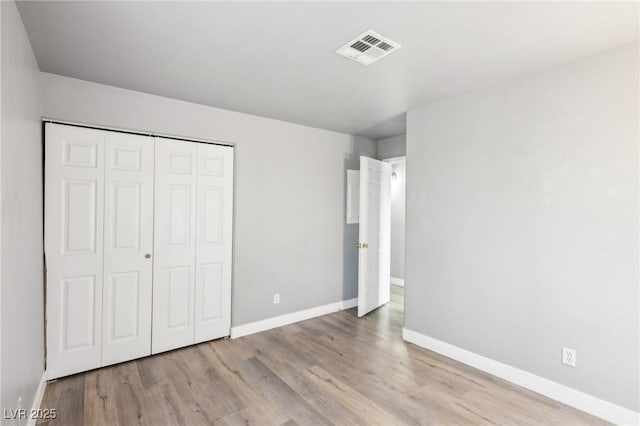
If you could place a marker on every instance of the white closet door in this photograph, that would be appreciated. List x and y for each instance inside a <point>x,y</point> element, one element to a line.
<point>175,244</point>
<point>213,242</point>
<point>74,189</point>
<point>128,245</point>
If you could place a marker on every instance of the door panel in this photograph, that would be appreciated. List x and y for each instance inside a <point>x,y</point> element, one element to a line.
<point>124,299</point>
<point>374,258</point>
<point>125,216</point>
<point>180,215</point>
<point>174,244</point>
<point>213,239</point>
<point>178,297</point>
<point>210,280</point>
<point>212,208</point>
<point>74,206</point>
<point>79,201</point>
<point>128,238</point>
<point>78,305</point>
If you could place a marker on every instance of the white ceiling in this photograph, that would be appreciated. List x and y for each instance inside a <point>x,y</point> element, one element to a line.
<point>277,59</point>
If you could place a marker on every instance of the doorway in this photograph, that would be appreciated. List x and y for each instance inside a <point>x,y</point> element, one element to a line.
<point>398,203</point>
<point>377,193</point>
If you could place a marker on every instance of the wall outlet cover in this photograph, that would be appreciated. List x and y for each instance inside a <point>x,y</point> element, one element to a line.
<point>569,356</point>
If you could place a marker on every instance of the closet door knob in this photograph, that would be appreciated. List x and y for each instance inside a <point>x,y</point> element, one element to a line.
<point>147,256</point>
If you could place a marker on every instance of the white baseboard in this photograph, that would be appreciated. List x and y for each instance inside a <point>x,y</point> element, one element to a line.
<point>286,319</point>
<point>37,399</point>
<point>397,281</point>
<point>582,401</point>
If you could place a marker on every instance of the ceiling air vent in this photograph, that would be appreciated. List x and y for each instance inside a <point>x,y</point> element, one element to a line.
<point>368,48</point>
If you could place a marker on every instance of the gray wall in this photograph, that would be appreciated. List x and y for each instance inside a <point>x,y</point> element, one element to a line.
<point>398,188</point>
<point>395,146</point>
<point>22,318</point>
<point>522,223</point>
<point>290,231</point>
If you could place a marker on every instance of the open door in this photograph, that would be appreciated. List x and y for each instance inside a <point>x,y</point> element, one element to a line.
<point>374,246</point>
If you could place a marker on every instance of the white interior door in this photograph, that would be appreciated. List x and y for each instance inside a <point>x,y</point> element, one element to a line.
<point>174,244</point>
<point>74,205</point>
<point>213,242</point>
<point>374,247</point>
<point>128,245</point>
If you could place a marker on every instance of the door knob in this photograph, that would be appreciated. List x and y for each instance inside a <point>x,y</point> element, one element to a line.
<point>147,256</point>
<point>362,245</point>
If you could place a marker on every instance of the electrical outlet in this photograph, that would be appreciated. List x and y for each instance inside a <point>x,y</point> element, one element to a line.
<point>276,298</point>
<point>569,356</point>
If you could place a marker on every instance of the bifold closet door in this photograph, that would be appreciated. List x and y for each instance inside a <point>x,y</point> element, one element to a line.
<point>175,244</point>
<point>213,242</point>
<point>138,245</point>
<point>128,247</point>
<point>74,206</point>
<point>98,231</point>
<point>193,243</point>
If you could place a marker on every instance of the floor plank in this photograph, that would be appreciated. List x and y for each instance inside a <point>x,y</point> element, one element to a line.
<point>336,369</point>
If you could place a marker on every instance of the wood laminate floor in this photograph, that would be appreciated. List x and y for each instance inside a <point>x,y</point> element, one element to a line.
<point>335,369</point>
